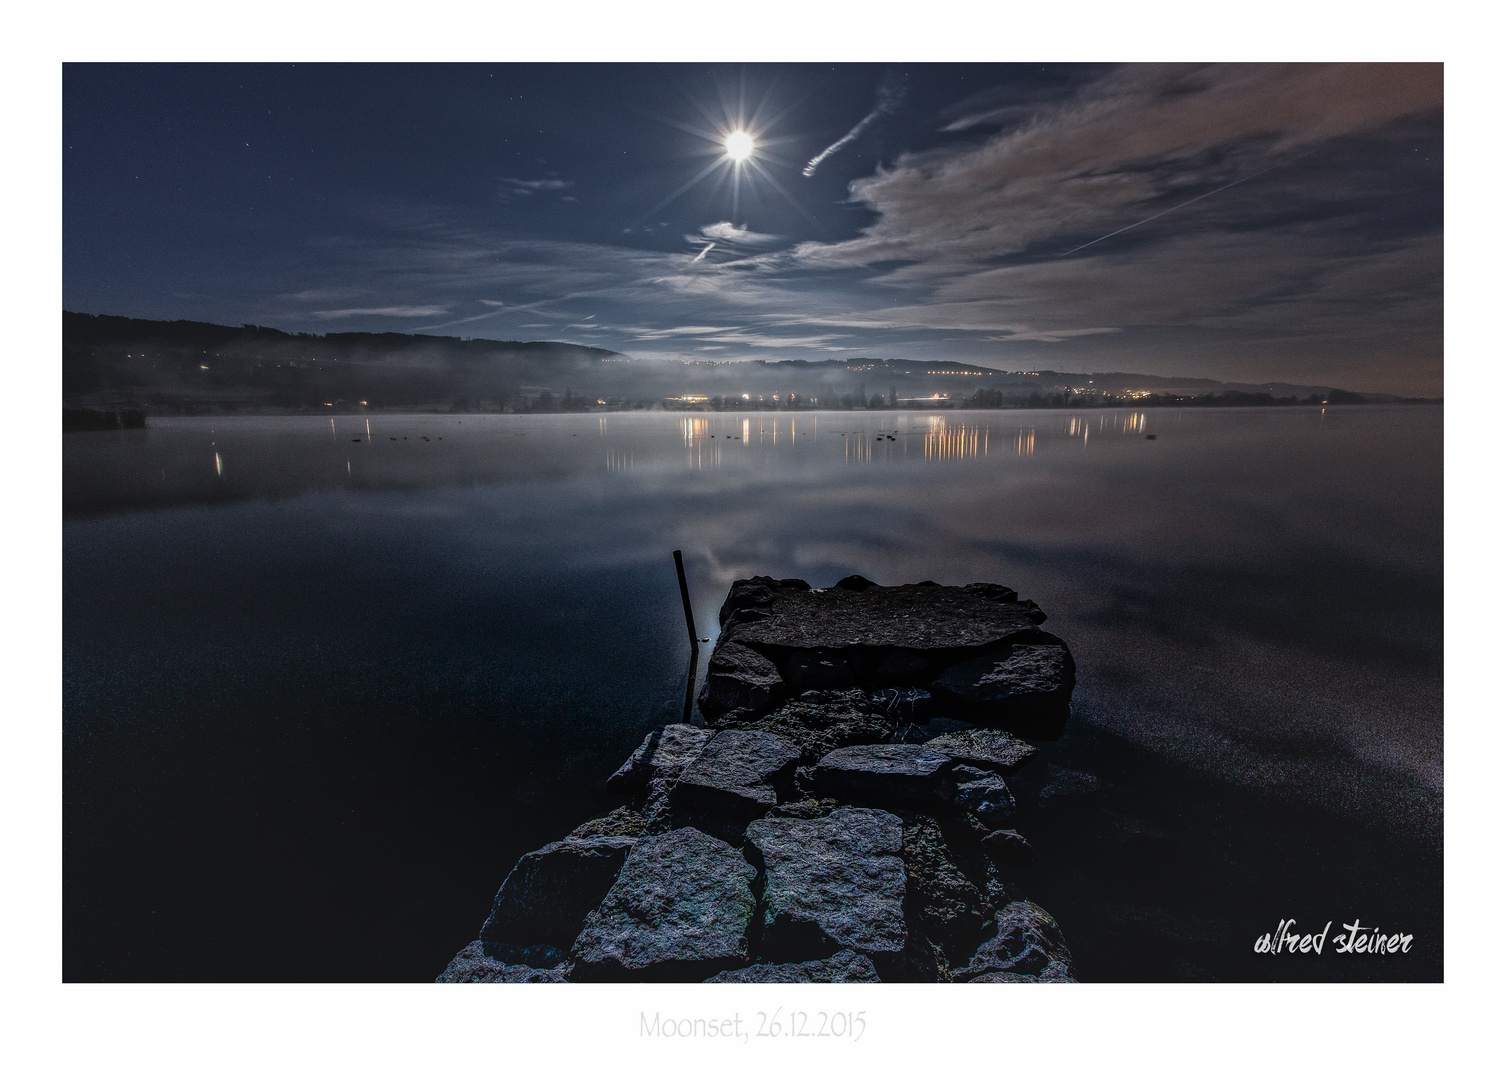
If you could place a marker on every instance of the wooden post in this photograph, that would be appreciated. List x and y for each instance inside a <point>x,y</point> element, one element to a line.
<point>695,647</point>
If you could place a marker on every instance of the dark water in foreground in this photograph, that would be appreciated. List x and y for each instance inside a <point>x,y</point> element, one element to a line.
<point>320,693</point>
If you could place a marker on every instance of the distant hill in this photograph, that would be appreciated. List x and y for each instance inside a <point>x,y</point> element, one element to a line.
<point>191,367</point>
<point>187,368</point>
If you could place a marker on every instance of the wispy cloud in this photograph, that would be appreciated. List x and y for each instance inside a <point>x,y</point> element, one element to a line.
<point>460,322</point>
<point>399,311</point>
<point>512,188</point>
<point>1136,136</point>
<point>781,341</point>
<point>728,233</point>
<point>639,333</point>
<point>738,239</point>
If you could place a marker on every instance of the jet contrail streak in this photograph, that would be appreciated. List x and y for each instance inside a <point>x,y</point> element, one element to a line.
<point>890,94</point>
<point>702,255</point>
<point>1163,213</point>
<point>810,169</point>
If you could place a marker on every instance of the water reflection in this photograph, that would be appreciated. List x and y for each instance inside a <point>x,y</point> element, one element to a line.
<point>502,589</point>
<point>183,460</point>
<point>945,442</point>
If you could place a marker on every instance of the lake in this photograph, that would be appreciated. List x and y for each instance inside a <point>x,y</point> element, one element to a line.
<point>325,679</point>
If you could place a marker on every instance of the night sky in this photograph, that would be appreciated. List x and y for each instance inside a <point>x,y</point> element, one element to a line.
<point>1245,222</point>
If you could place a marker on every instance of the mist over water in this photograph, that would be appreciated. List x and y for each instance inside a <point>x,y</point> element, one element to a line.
<point>324,679</point>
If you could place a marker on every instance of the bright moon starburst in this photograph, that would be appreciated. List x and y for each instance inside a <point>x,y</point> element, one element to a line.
<point>739,146</point>
<point>743,152</point>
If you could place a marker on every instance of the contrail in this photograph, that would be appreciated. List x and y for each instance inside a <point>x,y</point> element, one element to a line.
<point>890,94</point>
<point>1168,210</point>
<point>702,255</point>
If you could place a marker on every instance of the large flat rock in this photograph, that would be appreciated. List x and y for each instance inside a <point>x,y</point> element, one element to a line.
<point>738,774</point>
<point>926,616</point>
<point>845,966</point>
<point>783,638</point>
<point>678,912</point>
<point>831,883</point>
<point>546,897</point>
<point>892,774</point>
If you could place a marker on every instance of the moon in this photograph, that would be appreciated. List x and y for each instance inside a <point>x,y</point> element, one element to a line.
<point>739,146</point>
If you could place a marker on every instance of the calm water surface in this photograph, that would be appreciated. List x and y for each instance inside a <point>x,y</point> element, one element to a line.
<point>324,680</point>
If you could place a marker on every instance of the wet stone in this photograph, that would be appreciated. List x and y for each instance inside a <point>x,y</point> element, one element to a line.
<point>1029,682</point>
<point>820,721</point>
<point>678,912</point>
<point>940,899</point>
<point>924,616</point>
<point>1008,848</point>
<point>486,962</point>
<point>1026,941</point>
<point>739,774</point>
<point>846,966</point>
<point>894,774</point>
<point>984,795</point>
<point>547,895</point>
<point>756,594</point>
<point>984,748</point>
<point>661,757</point>
<point>831,883</point>
<point>738,677</point>
<point>620,822</point>
<point>910,705</point>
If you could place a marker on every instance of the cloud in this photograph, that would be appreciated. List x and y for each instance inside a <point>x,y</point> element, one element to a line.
<point>1135,136</point>
<point>728,235</point>
<point>1302,269</point>
<point>645,334</point>
<point>781,341</point>
<point>1027,334</point>
<point>401,311</point>
<point>313,295</point>
<point>513,188</point>
<point>460,322</point>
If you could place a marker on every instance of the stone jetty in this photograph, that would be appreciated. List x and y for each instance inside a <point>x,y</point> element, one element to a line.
<point>844,815</point>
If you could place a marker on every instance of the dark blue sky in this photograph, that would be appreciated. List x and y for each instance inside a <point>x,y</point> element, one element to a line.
<point>1280,222</point>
